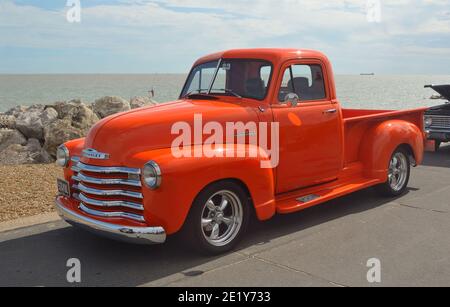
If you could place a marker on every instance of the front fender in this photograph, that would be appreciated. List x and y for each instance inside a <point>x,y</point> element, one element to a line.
<point>183,178</point>
<point>382,139</point>
<point>75,148</point>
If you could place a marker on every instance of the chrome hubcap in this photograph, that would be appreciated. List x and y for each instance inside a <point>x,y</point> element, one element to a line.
<point>398,171</point>
<point>222,218</point>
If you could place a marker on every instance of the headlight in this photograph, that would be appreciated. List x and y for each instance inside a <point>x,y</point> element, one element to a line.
<point>428,121</point>
<point>62,156</point>
<point>151,175</point>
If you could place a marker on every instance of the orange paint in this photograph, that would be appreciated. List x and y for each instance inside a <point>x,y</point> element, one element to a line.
<point>324,149</point>
<point>295,120</point>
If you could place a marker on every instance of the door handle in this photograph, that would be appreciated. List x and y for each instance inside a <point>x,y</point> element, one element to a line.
<point>330,111</point>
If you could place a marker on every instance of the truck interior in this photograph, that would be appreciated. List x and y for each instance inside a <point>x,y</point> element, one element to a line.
<point>234,77</point>
<point>306,81</point>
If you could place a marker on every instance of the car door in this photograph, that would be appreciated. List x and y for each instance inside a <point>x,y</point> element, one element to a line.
<point>310,131</point>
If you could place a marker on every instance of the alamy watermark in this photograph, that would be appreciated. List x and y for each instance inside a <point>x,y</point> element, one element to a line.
<point>374,13</point>
<point>374,272</point>
<point>74,273</point>
<point>232,140</point>
<point>73,14</point>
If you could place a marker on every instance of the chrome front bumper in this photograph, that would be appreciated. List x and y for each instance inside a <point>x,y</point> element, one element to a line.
<point>136,235</point>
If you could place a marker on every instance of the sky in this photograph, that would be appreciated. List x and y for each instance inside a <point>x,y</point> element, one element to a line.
<point>155,36</point>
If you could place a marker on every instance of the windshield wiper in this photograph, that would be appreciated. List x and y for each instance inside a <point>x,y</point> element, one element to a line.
<point>197,92</point>
<point>228,91</point>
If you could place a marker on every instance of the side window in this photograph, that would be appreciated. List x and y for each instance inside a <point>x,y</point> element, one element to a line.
<point>304,80</point>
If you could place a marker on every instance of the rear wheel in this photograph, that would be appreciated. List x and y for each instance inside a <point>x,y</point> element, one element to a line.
<point>398,174</point>
<point>218,218</point>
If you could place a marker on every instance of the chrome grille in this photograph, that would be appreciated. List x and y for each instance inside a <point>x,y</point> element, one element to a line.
<point>108,192</point>
<point>440,121</point>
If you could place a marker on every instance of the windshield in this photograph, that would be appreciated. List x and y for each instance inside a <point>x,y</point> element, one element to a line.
<point>230,77</point>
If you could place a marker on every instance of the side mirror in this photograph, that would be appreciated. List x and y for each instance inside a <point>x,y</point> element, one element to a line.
<point>291,99</point>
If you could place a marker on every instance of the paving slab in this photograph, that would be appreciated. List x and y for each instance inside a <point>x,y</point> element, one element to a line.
<point>257,273</point>
<point>411,244</point>
<point>38,256</point>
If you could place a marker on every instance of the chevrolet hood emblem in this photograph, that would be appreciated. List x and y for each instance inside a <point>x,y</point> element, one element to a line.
<point>94,154</point>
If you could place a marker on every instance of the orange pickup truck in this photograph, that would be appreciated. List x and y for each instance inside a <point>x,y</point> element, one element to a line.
<point>256,131</point>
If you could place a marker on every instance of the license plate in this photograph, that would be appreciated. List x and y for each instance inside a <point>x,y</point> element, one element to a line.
<point>63,187</point>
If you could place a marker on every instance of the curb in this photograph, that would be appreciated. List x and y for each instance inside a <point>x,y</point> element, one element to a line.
<point>29,221</point>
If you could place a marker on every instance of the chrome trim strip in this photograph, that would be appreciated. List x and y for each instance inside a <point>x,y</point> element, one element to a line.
<point>439,116</point>
<point>75,159</point>
<point>93,191</point>
<point>109,204</point>
<point>80,166</point>
<point>432,130</point>
<point>125,215</point>
<point>88,179</point>
<point>138,235</point>
<point>75,169</point>
<point>440,127</point>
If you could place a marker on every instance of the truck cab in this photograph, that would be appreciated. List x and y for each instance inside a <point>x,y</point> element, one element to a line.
<point>255,132</point>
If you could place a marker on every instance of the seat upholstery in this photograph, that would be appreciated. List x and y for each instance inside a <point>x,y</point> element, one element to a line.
<point>255,88</point>
<point>301,86</point>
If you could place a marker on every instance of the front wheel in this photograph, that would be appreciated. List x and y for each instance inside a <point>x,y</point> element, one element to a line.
<point>218,218</point>
<point>398,174</point>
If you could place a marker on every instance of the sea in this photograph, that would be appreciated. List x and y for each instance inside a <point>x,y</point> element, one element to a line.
<point>391,92</point>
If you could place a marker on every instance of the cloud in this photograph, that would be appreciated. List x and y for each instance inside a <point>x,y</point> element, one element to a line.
<point>168,35</point>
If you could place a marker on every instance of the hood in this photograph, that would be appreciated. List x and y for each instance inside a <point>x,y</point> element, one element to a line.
<point>150,128</point>
<point>443,90</point>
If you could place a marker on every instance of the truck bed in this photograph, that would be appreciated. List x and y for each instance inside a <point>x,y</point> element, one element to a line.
<point>351,115</point>
<point>358,121</point>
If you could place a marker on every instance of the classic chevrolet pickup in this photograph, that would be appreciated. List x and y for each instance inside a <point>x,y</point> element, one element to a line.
<point>255,131</point>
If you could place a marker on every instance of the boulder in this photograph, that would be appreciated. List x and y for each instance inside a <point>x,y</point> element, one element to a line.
<point>80,114</point>
<point>59,132</point>
<point>7,121</point>
<point>139,102</point>
<point>30,153</point>
<point>66,109</point>
<point>83,118</point>
<point>16,111</point>
<point>37,152</point>
<point>109,105</point>
<point>32,122</point>
<point>75,119</point>
<point>10,137</point>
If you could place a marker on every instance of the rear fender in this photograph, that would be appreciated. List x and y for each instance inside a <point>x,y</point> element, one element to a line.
<point>383,139</point>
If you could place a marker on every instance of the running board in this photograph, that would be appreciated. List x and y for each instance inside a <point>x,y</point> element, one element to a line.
<point>303,199</point>
<point>307,198</point>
